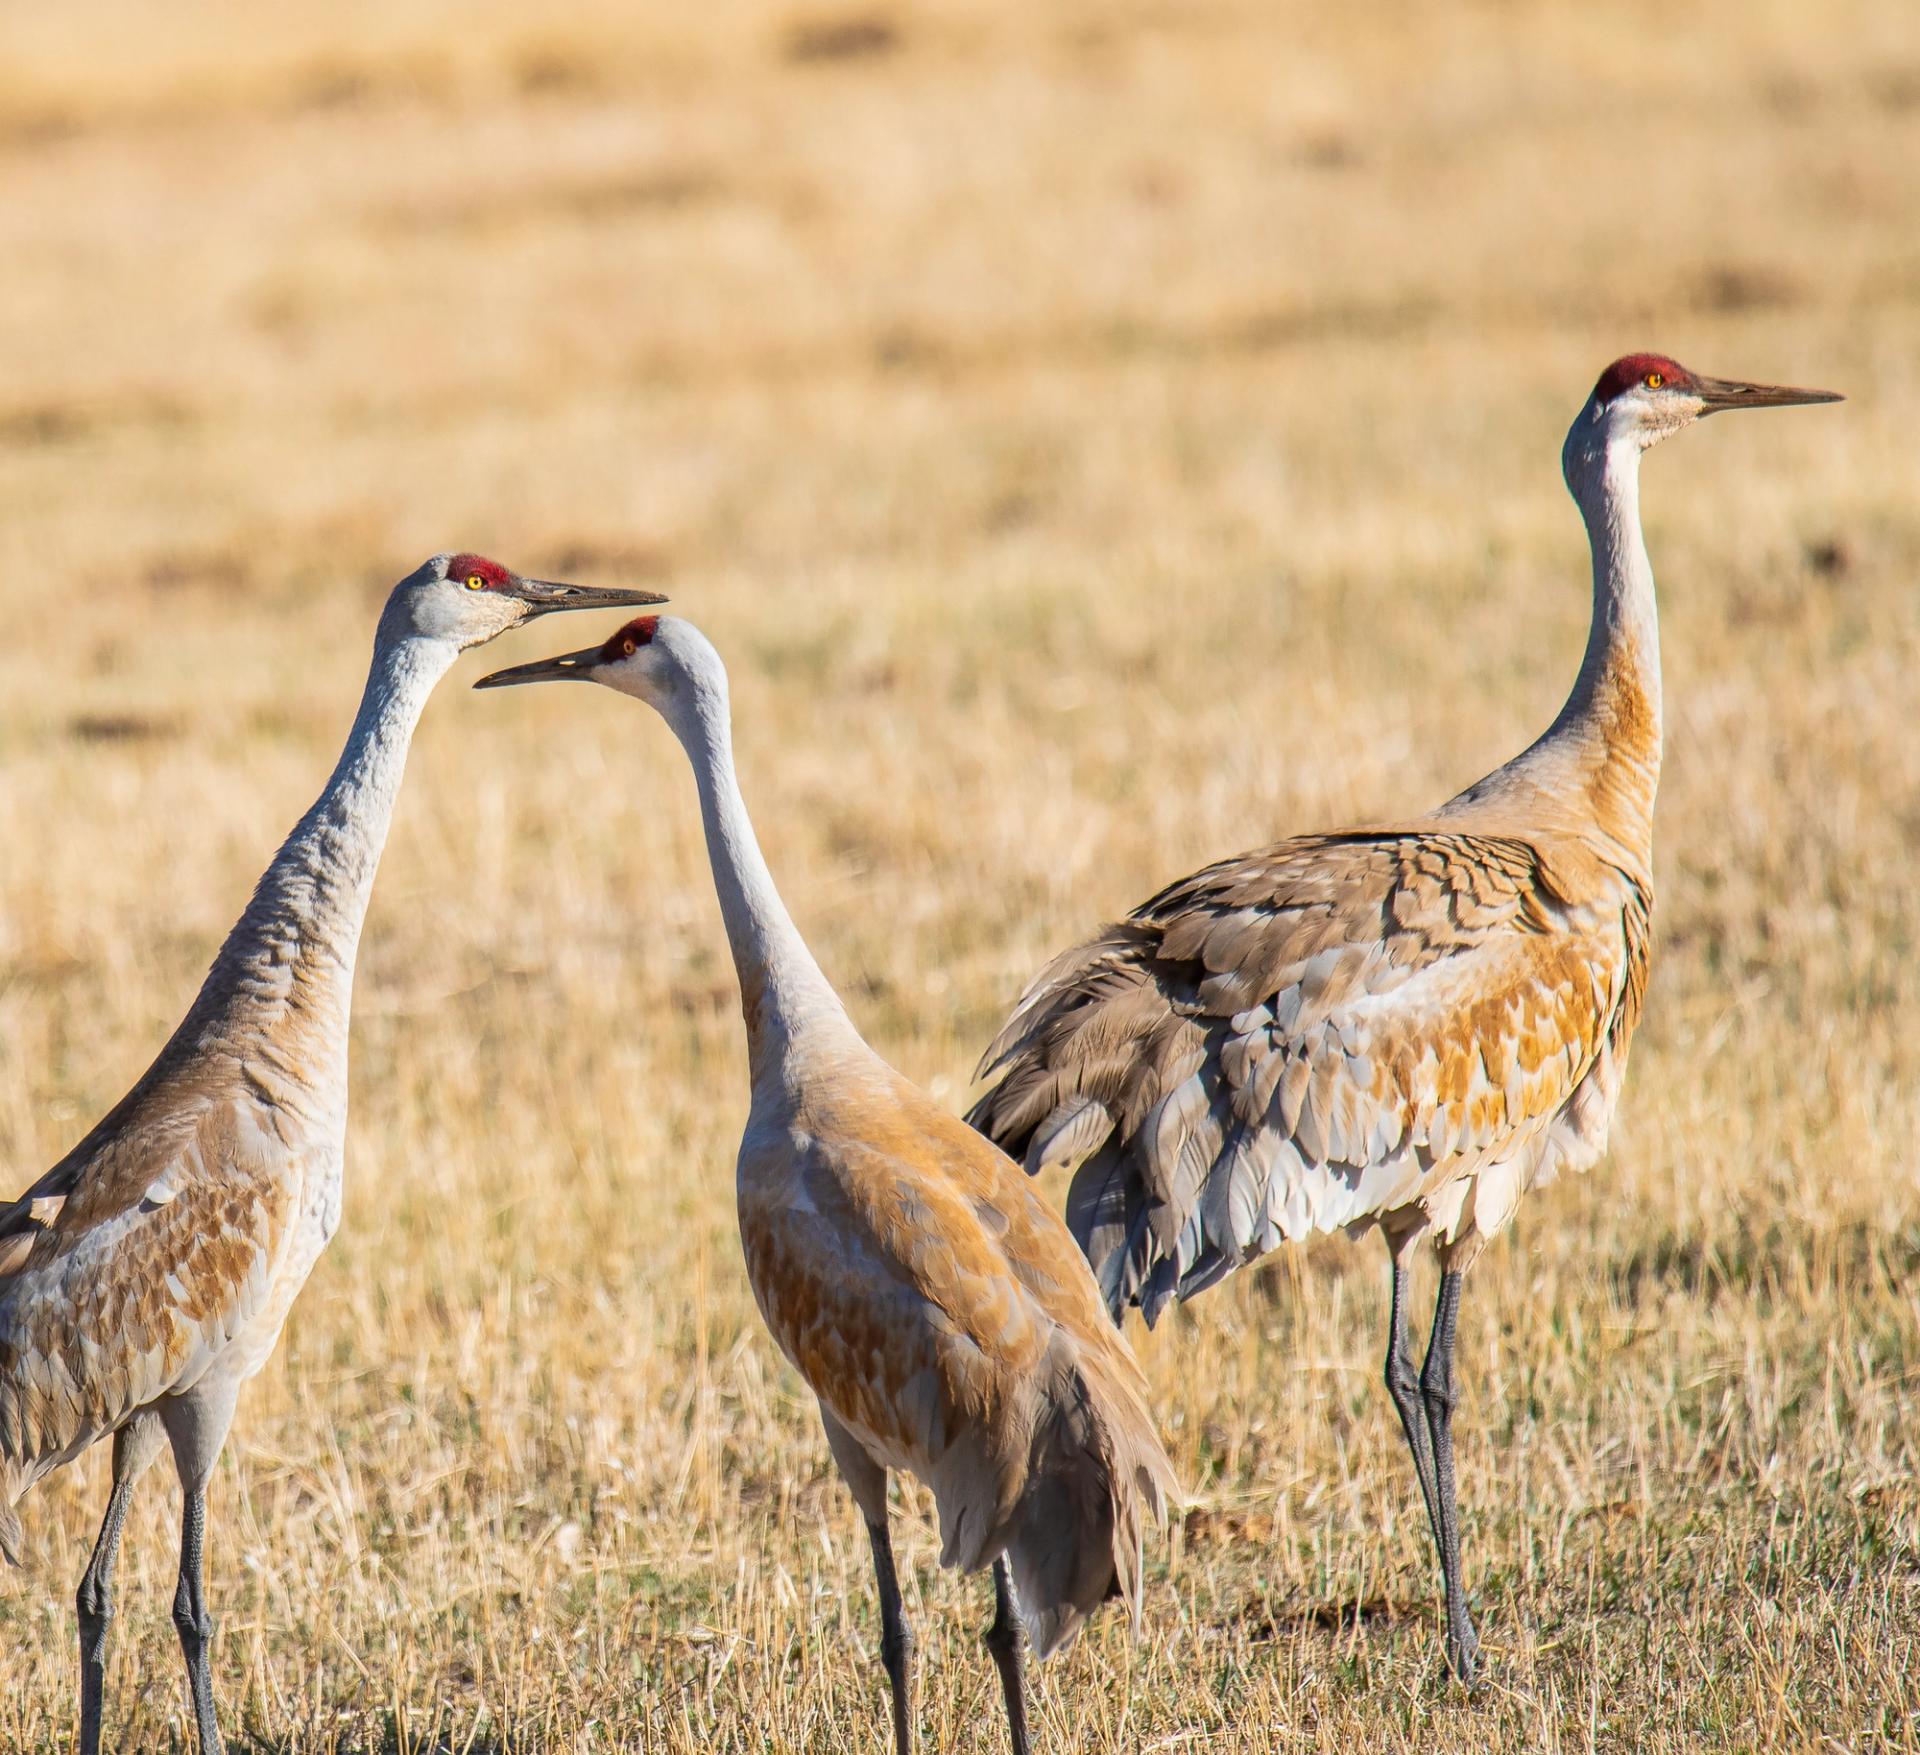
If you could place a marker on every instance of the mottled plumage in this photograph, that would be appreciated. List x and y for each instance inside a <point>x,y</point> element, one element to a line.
<point>944,1317</point>
<point>1414,1023</point>
<point>147,1275</point>
<point>1405,1026</point>
<point>171,1233</point>
<point>933,1303</point>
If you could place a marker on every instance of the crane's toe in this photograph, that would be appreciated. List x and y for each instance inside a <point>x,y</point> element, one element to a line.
<point>1463,1653</point>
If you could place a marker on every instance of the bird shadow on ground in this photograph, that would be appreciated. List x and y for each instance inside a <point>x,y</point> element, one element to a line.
<point>355,1735</point>
<point>1334,1617</point>
<point>356,1741</point>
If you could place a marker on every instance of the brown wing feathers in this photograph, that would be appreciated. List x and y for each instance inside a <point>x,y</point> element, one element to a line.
<point>1299,1039</point>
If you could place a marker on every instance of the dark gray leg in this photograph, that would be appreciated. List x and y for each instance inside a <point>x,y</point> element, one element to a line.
<point>94,1600</point>
<point>1004,1640</point>
<point>1436,1389</point>
<point>896,1637</point>
<point>134,1446</point>
<point>191,1618</point>
<point>1403,1384</point>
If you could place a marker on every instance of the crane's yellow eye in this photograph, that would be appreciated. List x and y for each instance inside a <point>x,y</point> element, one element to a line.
<point>1653,380</point>
<point>475,582</point>
<point>628,647</point>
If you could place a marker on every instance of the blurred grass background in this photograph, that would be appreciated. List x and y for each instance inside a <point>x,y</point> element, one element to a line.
<point>1100,438</point>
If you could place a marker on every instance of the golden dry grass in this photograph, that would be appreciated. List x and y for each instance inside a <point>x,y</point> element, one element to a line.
<point>1100,437</point>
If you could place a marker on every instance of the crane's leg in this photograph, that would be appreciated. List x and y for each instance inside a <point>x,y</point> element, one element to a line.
<point>197,1427</point>
<point>896,1638</point>
<point>190,1616</point>
<point>1436,1389</point>
<point>134,1446</point>
<point>867,1482</point>
<point>1403,1381</point>
<point>1005,1641</point>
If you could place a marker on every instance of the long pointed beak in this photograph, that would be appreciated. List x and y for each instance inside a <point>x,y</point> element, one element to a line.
<point>1724,393</point>
<point>544,596</point>
<point>568,667</point>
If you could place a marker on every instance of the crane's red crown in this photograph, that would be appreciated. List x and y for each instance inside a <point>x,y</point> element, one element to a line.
<point>1652,370</point>
<point>637,633</point>
<point>464,567</point>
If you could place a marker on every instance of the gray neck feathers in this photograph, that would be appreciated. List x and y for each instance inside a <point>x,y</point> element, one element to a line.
<point>1601,755</point>
<point>1623,642</point>
<point>285,974</point>
<point>785,999</point>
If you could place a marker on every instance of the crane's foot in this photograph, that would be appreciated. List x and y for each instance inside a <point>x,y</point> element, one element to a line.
<point>1463,1651</point>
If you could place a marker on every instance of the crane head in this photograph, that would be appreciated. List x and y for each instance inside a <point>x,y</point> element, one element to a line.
<point>469,599</point>
<point>659,659</point>
<point>1646,397</point>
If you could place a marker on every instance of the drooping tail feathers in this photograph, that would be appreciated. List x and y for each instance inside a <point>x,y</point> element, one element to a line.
<point>1098,1474</point>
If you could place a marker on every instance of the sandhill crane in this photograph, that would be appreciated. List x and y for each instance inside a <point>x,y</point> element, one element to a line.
<point>936,1307</point>
<point>146,1276</point>
<point>1402,1026</point>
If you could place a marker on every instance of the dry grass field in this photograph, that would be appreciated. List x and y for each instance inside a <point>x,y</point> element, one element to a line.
<point>1101,436</point>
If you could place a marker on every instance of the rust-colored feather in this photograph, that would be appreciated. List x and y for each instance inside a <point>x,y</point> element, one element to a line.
<point>947,1321</point>
<point>120,1301</point>
<point>1401,1010</point>
<point>939,1310</point>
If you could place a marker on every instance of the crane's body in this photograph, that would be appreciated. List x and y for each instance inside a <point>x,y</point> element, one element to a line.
<point>947,1322</point>
<point>1404,1026</point>
<point>147,1275</point>
<point>938,1309</point>
<point>1448,1026</point>
<point>180,1229</point>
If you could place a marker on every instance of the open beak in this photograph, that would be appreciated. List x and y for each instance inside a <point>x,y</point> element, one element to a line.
<point>544,596</point>
<point>1722,393</point>
<point>568,667</point>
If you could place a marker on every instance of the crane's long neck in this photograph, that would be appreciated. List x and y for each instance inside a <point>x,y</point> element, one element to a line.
<point>281,987</point>
<point>1601,755</point>
<point>786,1001</point>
